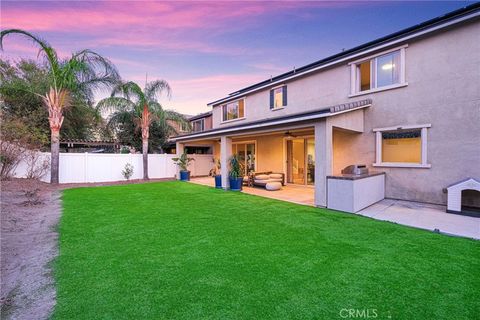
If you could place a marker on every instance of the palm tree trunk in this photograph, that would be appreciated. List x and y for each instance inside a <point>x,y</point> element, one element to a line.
<point>145,124</point>
<point>55,155</point>
<point>145,158</point>
<point>55,101</point>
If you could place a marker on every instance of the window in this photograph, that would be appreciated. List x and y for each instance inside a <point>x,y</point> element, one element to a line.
<point>402,146</point>
<point>198,125</point>
<point>184,126</point>
<point>384,71</point>
<point>198,150</point>
<point>234,110</point>
<point>278,97</point>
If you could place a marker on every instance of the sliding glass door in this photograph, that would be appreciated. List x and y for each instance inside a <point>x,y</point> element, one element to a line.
<point>301,161</point>
<point>246,153</point>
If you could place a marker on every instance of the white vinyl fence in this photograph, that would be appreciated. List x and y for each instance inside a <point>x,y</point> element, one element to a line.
<point>96,167</point>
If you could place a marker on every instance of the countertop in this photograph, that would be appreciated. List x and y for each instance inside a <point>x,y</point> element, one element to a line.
<point>355,176</point>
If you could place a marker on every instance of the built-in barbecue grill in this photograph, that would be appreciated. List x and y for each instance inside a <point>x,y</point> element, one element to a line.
<point>355,169</point>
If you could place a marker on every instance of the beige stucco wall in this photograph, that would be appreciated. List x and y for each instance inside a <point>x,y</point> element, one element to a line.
<point>270,153</point>
<point>443,75</point>
<point>344,144</point>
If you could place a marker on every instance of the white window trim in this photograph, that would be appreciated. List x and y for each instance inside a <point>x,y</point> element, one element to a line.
<point>245,142</point>
<point>202,120</point>
<point>285,139</point>
<point>274,88</point>
<point>354,90</point>
<point>237,119</point>
<point>385,88</point>
<point>424,141</point>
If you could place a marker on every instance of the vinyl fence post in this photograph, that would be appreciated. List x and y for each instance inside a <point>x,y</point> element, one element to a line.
<point>85,162</point>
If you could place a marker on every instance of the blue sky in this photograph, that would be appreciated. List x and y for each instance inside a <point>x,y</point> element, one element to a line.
<point>206,50</point>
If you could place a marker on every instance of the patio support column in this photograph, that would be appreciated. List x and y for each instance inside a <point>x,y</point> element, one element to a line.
<point>225,154</point>
<point>179,148</point>
<point>323,161</point>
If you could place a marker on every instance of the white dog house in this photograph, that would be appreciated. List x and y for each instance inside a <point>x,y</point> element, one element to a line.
<point>454,200</point>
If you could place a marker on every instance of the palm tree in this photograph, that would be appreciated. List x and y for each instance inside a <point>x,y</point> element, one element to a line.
<point>130,104</point>
<point>77,77</point>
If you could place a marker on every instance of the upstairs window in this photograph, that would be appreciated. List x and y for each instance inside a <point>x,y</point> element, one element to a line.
<point>379,72</point>
<point>198,125</point>
<point>278,97</point>
<point>233,110</point>
<point>184,126</point>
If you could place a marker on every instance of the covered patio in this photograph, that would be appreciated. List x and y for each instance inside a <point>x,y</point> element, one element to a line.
<point>291,193</point>
<point>305,148</point>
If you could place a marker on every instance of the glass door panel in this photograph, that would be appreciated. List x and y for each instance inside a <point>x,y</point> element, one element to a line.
<point>241,149</point>
<point>247,156</point>
<point>310,161</point>
<point>301,161</point>
<point>250,158</point>
<point>296,161</point>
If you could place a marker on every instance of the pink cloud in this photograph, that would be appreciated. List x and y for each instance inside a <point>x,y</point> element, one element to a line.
<point>115,15</point>
<point>190,96</point>
<point>176,26</point>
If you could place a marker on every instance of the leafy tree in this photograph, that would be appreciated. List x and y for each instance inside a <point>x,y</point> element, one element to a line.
<point>75,78</point>
<point>19,80</point>
<point>133,108</point>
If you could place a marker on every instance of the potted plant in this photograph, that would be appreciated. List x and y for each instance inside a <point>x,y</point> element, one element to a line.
<point>183,161</point>
<point>217,175</point>
<point>235,173</point>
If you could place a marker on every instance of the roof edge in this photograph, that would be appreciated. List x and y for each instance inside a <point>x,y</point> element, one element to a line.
<point>337,58</point>
<point>292,118</point>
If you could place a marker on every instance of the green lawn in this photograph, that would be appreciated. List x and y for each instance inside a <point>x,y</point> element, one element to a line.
<point>174,250</point>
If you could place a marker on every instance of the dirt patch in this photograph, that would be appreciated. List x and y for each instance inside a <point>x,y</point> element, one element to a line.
<point>30,212</point>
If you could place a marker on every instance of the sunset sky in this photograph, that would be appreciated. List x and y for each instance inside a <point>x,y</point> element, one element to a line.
<point>206,50</point>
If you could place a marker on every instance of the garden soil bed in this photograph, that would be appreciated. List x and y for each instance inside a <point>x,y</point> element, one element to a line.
<point>30,212</point>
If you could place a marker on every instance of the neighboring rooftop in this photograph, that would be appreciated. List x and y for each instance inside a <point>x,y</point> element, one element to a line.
<point>200,115</point>
<point>399,34</point>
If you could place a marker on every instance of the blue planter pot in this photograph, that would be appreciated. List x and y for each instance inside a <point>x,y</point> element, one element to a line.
<point>218,181</point>
<point>184,175</point>
<point>236,183</point>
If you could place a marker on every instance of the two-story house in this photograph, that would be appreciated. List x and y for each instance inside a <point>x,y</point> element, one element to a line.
<point>198,123</point>
<point>407,104</point>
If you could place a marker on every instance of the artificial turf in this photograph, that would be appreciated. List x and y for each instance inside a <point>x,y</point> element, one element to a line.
<point>174,250</point>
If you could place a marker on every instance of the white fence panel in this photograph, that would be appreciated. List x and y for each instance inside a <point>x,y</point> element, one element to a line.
<point>95,167</point>
<point>22,168</point>
<point>161,166</point>
<point>72,168</point>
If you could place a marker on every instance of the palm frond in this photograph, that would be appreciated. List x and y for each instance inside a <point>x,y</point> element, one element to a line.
<point>120,117</point>
<point>154,89</point>
<point>45,47</point>
<point>155,106</point>
<point>165,118</point>
<point>116,104</point>
<point>129,90</point>
<point>97,71</point>
<point>175,116</point>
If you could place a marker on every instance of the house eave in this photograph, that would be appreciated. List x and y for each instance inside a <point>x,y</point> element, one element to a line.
<point>290,119</point>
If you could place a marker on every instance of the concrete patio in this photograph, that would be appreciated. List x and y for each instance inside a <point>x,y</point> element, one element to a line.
<point>291,193</point>
<point>414,214</point>
<point>424,216</point>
